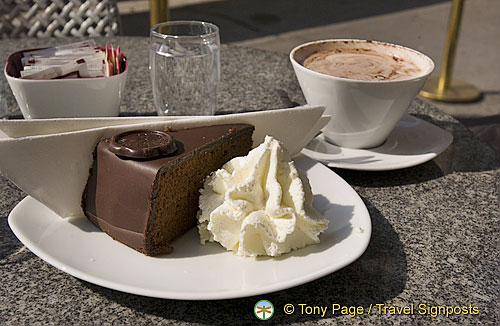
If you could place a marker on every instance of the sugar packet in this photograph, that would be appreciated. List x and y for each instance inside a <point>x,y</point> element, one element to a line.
<point>76,60</point>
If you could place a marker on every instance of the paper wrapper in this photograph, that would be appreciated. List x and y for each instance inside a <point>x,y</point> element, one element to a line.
<point>50,159</point>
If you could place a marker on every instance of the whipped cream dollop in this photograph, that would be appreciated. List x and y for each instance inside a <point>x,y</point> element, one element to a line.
<point>259,204</point>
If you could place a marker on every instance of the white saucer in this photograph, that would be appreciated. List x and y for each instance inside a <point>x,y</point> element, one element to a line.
<point>413,141</point>
<point>195,271</point>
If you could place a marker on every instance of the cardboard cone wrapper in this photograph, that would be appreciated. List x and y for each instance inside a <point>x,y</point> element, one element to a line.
<point>50,160</point>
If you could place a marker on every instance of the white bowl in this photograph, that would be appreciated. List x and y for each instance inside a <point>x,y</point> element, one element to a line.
<point>65,98</point>
<point>363,112</point>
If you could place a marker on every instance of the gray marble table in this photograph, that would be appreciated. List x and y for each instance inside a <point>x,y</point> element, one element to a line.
<point>434,241</point>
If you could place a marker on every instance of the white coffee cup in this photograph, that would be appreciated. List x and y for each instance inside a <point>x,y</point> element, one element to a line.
<point>364,112</point>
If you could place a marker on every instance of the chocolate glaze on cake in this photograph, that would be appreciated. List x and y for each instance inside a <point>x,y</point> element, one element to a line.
<point>146,203</point>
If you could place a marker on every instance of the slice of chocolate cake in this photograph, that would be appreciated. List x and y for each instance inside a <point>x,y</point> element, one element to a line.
<point>144,186</point>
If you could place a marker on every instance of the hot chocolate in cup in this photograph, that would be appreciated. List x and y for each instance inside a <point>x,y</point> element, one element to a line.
<point>365,85</point>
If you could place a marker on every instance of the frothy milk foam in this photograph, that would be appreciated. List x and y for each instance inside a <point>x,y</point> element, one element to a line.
<point>363,61</point>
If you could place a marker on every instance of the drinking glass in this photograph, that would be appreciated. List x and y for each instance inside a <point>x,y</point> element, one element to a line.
<point>184,62</point>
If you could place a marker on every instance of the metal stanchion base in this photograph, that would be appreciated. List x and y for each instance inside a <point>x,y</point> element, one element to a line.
<point>457,91</point>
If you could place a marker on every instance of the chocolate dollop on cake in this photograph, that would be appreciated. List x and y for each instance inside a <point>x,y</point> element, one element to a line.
<point>144,185</point>
<point>142,144</point>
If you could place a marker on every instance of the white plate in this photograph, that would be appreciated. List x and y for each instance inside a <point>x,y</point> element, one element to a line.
<point>194,271</point>
<point>413,141</point>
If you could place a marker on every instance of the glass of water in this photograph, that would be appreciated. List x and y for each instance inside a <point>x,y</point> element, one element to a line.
<point>184,62</point>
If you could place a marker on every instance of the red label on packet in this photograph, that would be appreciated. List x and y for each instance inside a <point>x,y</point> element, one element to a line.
<point>114,59</point>
<point>75,60</point>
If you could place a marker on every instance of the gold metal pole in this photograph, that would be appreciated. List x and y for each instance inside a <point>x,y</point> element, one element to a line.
<point>445,88</point>
<point>451,44</point>
<point>158,11</point>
